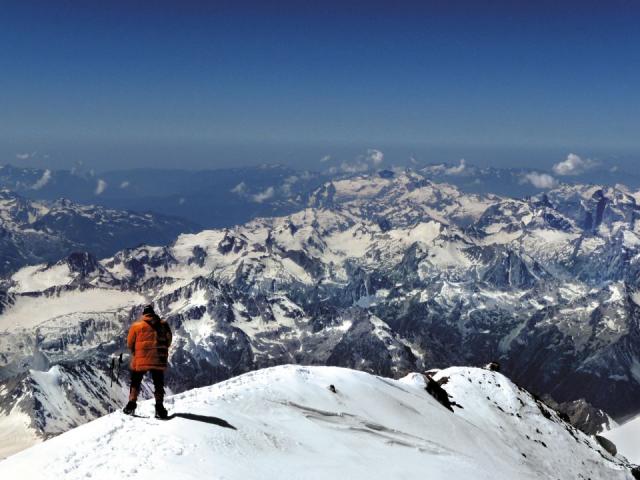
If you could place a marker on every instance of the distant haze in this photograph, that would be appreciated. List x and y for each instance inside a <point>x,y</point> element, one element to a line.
<point>104,157</point>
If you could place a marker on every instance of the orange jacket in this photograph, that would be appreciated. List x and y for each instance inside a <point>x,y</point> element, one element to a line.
<point>149,340</point>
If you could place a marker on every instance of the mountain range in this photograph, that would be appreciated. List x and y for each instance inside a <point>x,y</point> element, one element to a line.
<point>385,272</point>
<point>210,198</point>
<point>36,231</point>
<point>222,198</point>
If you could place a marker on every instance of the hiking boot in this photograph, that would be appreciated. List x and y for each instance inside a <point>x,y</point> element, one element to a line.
<point>130,407</point>
<point>161,412</point>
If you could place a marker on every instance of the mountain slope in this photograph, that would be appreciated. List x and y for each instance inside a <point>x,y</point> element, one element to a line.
<point>34,231</point>
<point>383,273</point>
<point>285,422</point>
<point>519,182</point>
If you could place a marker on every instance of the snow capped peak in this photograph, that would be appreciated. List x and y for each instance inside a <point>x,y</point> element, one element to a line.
<point>79,268</point>
<point>383,273</point>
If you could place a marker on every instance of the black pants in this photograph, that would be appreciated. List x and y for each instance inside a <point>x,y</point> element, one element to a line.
<point>158,384</point>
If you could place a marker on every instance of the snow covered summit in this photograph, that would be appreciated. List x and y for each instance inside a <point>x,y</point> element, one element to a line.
<point>286,423</point>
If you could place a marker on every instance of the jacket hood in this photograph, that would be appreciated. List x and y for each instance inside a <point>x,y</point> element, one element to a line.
<point>151,318</point>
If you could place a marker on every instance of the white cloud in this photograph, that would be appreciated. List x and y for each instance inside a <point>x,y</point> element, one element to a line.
<point>375,157</point>
<point>540,180</point>
<point>413,160</point>
<point>42,181</point>
<point>354,167</point>
<point>239,188</point>
<point>325,159</point>
<point>181,201</point>
<point>573,165</point>
<point>125,184</point>
<point>288,183</point>
<point>262,196</point>
<point>100,187</point>
<point>436,169</point>
<point>23,156</point>
<point>362,163</point>
<point>457,170</point>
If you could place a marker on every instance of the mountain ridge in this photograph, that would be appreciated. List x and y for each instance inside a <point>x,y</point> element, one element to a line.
<point>387,274</point>
<point>292,424</point>
<point>35,231</point>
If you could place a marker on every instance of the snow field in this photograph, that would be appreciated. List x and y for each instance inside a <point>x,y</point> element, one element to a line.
<point>289,425</point>
<point>627,439</point>
<point>30,312</point>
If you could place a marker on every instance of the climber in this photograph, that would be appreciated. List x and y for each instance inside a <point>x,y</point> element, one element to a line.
<point>149,340</point>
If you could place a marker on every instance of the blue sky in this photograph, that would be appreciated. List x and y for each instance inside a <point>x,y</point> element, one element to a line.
<point>206,84</point>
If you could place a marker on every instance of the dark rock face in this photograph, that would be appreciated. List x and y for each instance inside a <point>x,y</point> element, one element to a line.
<point>86,393</point>
<point>582,415</point>
<point>231,243</point>
<point>508,270</point>
<point>137,261</point>
<point>324,196</point>
<point>493,366</point>
<point>82,262</point>
<point>440,394</point>
<point>607,444</point>
<point>199,256</point>
<point>365,350</point>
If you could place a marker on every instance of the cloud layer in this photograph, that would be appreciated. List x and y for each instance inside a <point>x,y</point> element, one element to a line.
<point>457,170</point>
<point>239,188</point>
<point>375,157</point>
<point>100,187</point>
<point>573,165</point>
<point>43,180</point>
<point>262,196</point>
<point>540,180</point>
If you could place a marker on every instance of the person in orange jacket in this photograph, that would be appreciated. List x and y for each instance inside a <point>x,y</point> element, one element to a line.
<point>149,340</point>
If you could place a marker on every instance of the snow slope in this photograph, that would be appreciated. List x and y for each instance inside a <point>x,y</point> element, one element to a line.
<point>627,439</point>
<point>286,423</point>
<point>16,433</point>
<point>29,313</point>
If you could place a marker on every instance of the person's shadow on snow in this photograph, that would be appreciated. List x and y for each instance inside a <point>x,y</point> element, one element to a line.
<point>203,418</point>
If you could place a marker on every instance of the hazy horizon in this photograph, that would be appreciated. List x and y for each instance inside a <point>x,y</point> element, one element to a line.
<point>217,84</point>
<point>307,157</point>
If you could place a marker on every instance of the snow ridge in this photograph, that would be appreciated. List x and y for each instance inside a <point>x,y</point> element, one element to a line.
<point>284,422</point>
